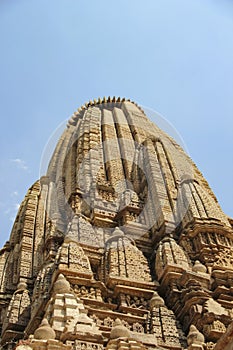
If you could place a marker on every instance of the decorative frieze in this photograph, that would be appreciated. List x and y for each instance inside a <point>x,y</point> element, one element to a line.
<point>122,245</point>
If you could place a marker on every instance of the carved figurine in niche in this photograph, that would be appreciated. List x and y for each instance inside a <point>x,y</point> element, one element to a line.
<point>99,295</point>
<point>129,198</point>
<point>135,302</point>
<point>128,300</point>
<point>78,202</point>
<point>83,291</point>
<point>123,299</point>
<point>91,294</point>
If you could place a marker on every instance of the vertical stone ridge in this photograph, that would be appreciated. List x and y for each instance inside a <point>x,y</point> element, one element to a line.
<point>198,201</point>
<point>119,246</point>
<point>167,175</point>
<point>126,142</point>
<point>112,151</point>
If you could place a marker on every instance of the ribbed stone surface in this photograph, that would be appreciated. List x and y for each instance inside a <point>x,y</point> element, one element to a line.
<point>122,226</point>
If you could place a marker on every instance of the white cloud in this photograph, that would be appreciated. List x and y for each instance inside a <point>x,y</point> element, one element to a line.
<point>20,163</point>
<point>16,206</point>
<point>12,210</point>
<point>14,194</point>
<point>7,211</point>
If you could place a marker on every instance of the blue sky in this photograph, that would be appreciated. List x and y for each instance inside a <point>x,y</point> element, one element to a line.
<point>174,56</point>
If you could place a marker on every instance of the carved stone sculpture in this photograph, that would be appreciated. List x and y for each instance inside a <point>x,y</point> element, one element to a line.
<point>121,245</point>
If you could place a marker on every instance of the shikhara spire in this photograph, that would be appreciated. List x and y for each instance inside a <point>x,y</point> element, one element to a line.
<point>121,243</point>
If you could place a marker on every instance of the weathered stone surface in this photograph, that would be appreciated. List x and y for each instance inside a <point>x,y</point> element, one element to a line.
<point>122,245</point>
<point>44,331</point>
<point>119,330</point>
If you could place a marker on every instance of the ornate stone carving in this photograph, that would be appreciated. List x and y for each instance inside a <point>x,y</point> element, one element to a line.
<point>214,330</point>
<point>122,245</point>
<point>170,254</point>
<point>224,260</point>
<point>82,345</point>
<point>119,260</point>
<point>71,258</point>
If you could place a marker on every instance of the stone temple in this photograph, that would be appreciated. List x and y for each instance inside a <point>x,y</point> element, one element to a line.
<point>122,245</point>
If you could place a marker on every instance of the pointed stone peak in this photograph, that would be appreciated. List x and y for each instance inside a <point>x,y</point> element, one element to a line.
<point>199,267</point>
<point>22,286</point>
<point>156,301</point>
<point>61,285</point>
<point>119,331</point>
<point>194,336</point>
<point>118,232</point>
<point>44,331</point>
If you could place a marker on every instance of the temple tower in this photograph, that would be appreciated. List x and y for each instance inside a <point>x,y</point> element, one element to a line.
<point>122,244</point>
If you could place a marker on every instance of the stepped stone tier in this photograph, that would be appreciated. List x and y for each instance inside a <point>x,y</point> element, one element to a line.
<point>121,245</point>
